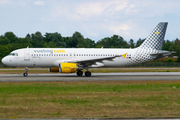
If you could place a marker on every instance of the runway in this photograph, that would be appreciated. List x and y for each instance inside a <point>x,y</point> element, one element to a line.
<point>94,77</point>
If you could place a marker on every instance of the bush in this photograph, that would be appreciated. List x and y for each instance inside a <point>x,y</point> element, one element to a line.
<point>169,60</point>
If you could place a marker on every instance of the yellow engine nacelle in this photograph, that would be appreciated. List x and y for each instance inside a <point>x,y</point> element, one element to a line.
<point>65,68</point>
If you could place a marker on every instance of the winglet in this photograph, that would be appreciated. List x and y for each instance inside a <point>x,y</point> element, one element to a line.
<point>124,55</point>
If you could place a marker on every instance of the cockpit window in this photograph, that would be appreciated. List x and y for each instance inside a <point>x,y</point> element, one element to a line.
<point>13,54</point>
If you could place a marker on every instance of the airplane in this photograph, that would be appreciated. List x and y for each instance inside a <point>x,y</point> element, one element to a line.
<point>74,60</point>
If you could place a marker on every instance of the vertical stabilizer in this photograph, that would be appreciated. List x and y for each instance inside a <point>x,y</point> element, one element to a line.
<point>152,45</point>
<point>156,38</point>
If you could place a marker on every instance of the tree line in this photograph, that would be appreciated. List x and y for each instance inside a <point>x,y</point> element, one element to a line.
<point>9,42</point>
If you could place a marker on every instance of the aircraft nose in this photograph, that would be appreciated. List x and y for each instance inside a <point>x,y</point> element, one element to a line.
<point>4,60</point>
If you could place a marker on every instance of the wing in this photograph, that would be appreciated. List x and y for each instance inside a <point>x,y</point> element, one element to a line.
<point>92,62</point>
<point>94,59</point>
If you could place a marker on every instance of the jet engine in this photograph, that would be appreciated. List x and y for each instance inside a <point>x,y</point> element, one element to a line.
<point>65,68</point>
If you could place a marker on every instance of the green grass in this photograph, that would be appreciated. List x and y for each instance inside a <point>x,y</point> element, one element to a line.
<point>89,99</point>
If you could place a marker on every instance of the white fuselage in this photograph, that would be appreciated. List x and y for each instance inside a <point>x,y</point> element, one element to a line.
<point>46,57</point>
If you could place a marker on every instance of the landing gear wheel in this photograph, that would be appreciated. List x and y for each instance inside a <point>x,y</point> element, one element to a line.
<point>87,73</point>
<point>25,74</point>
<point>79,73</point>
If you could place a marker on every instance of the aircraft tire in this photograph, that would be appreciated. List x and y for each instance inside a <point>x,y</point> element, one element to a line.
<point>25,74</point>
<point>87,73</point>
<point>79,73</point>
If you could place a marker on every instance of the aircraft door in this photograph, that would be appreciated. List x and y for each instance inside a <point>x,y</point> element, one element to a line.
<point>26,55</point>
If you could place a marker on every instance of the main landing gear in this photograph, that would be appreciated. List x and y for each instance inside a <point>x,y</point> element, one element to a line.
<point>80,73</point>
<point>87,73</point>
<point>25,74</point>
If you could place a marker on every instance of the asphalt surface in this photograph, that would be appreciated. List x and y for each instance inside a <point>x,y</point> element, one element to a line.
<point>94,77</point>
<point>158,118</point>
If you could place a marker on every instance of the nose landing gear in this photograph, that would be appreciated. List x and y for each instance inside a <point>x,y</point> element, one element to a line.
<point>25,74</point>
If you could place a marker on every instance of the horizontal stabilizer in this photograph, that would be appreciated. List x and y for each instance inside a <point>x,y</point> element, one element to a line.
<point>163,53</point>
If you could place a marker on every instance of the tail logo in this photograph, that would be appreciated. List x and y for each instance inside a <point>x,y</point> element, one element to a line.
<point>157,33</point>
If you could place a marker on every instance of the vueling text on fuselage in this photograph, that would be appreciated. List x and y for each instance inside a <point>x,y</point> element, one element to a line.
<point>49,51</point>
